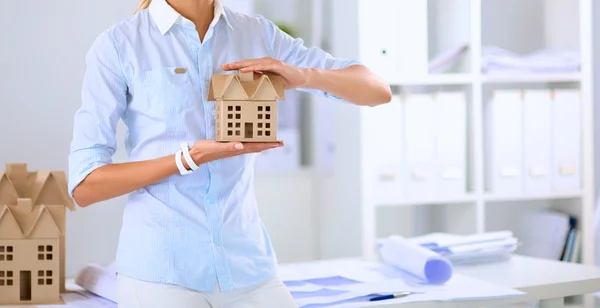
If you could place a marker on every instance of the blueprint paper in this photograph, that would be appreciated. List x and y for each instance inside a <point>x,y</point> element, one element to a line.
<point>82,299</point>
<point>424,264</point>
<point>373,279</point>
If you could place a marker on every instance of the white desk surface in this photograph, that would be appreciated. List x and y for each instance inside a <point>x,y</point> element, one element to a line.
<point>540,279</point>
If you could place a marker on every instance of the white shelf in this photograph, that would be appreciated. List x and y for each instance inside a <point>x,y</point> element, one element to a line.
<point>530,78</point>
<point>451,200</point>
<point>439,79</point>
<point>465,79</point>
<point>551,196</point>
<point>354,212</point>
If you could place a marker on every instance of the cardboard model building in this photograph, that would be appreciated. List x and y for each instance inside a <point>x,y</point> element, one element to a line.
<point>246,106</point>
<point>32,235</point>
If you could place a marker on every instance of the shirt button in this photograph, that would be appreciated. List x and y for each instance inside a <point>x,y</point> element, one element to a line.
<point>195,48</point>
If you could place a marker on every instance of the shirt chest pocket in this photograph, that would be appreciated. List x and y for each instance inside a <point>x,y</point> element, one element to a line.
<point>169,89</point>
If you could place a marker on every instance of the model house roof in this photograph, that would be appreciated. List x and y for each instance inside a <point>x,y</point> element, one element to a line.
<point>32,204</point>
<point>40,222</point>
<point>243,87</point>
<point>43,187</point>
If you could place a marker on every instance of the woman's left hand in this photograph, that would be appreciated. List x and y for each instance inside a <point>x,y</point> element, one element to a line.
<point>293,77</point>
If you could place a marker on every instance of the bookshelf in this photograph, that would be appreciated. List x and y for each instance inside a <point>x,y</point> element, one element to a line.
<point>522,27</point>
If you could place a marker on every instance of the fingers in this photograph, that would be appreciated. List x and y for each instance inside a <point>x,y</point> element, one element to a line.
<point>264,62</point>
<point>262,67</point>
<point>261,146</point>
<point>228,146</point>
<point>239,64</point>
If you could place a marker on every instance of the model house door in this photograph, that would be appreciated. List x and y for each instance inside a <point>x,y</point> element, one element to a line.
<point>248,130</point>
<point>25,285</point>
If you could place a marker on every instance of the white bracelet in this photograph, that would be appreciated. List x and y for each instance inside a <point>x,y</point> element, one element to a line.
<point>180,166</point>
<point>188,158</point>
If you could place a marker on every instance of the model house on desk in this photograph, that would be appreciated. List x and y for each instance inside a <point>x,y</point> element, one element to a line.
<point>32,235</point>
<point>246,106</point>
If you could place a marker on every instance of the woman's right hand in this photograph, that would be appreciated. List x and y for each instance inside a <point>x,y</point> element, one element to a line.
<point>115,180</point>
<point>204,151</point>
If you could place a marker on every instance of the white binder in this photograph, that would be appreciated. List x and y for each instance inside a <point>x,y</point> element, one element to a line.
<point>504,142</point>
<point>566,146</point>
<point>537,130</point>
<point>323,135</point>
<point>420,146</point>
<point>451,144</point>
<point>393,37</point>
<point>383,140</point>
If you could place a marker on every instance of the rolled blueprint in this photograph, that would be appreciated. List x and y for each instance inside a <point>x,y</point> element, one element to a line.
<point>415,260</point>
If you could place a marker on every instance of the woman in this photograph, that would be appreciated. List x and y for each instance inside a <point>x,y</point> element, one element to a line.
<point>190,239</point>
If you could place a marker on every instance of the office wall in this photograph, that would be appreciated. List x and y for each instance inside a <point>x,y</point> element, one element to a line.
<point>41,68</point>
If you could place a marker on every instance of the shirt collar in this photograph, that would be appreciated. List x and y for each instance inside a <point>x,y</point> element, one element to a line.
<point>165,16</point>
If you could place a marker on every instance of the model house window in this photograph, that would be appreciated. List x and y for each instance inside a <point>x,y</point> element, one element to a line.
<point>6,253</point>
<point>6,278</point>
<point>45,252</point>
<point>231,132</point>
<point>45,277</point>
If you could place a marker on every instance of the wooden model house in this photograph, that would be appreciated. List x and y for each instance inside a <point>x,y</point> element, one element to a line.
<point>246,106</point>
<point>32,235</point>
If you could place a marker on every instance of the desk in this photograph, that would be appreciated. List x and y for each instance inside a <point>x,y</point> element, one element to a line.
<point>544,280</point>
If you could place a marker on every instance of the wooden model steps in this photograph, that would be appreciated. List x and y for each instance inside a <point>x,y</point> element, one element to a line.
<point>32,235</point>
<point>246,106</point>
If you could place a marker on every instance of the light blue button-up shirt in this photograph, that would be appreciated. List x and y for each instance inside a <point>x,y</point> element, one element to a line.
<point>197,229</point>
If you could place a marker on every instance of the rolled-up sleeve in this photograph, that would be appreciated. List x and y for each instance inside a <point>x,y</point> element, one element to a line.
<point>293,51</point>
<point>104,98</point>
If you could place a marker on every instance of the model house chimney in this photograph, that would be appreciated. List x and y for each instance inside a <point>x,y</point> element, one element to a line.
<point>24,205</point>
<point>246,76</point>
<point>18,175</point>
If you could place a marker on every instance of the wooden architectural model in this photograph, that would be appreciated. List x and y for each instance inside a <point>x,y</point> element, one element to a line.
<point>32,235</point>
<point>246,106</point>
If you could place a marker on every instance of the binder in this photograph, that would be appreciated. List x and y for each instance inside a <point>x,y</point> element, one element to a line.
<point>394,39</point>
<point>419,146</point>
<point>323,134</point>
<point>537,137</point>
<point>451,143</point>
<point>504,142</point>
<point>566,146</point>
<point>384,130</point>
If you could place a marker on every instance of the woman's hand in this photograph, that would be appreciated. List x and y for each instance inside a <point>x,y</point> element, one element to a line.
<point>293,77</point>
<point>355,84</point>
<point>204,151</point>
<point>115,180</point>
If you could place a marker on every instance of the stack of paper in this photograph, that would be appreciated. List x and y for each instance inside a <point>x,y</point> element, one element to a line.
<point>99,280</point>
<point>497,60</point>
<point>478,248</point>
<point>345,283</point>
